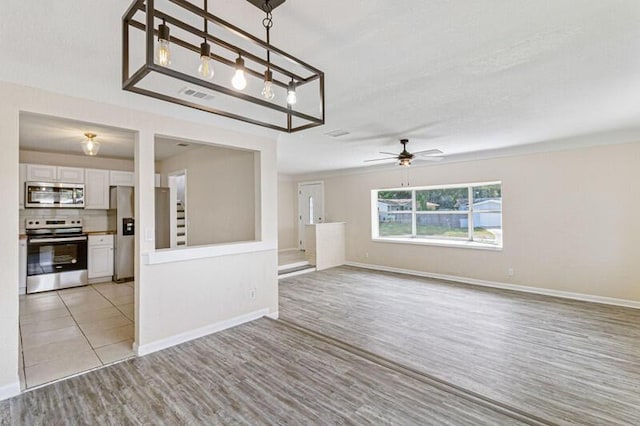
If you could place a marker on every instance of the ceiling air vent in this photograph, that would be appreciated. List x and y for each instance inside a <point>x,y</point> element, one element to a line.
<point>337,133</point>
<point>188,91</point>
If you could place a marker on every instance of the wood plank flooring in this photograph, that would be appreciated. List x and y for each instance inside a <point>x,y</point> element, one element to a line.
<point>565,361</point>
<point>258,373</point>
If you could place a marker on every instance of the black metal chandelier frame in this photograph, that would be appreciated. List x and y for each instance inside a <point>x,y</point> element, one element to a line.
<point>130,81</point>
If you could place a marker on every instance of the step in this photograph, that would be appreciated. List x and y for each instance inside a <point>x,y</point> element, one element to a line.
<point>293,265</point>
<point>292,272</point>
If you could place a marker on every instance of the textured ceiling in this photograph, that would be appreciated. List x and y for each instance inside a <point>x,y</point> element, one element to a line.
<point>470,78</point>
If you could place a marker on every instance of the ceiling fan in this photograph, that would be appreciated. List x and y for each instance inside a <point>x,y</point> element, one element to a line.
<point>405,157</point>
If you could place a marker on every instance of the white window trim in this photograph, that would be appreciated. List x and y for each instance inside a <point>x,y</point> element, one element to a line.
<point>429,241</point>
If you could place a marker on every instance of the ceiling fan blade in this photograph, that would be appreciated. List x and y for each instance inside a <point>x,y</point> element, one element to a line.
<point>428,152</point>
<point>381,159</point>
<point>389,153</point>
<point>428,159</point>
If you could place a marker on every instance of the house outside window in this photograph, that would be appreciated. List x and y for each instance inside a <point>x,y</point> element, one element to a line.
<point>467,214</point>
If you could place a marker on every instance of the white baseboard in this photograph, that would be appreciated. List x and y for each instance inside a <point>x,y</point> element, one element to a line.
<point>504,286</point>
<point>274,315</point>
<point>167,342</point>
<point>10,390</point>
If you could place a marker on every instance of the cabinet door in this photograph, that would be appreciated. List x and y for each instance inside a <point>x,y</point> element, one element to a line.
<point>41,173</point>
<point>21,180</point>
<point>119,177</point>
<point>70,174</point>
<point>100,261</point>
<point>96,189</point>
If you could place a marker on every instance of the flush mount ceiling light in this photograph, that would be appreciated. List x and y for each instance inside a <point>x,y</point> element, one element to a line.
<point>254,81</point>
<point>89,146</point>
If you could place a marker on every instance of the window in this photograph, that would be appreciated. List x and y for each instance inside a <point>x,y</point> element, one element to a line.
<point>470,214</point>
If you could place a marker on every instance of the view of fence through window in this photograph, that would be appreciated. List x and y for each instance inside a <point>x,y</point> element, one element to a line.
<point>467,212</point>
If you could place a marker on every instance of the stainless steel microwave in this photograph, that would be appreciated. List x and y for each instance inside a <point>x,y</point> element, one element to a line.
<point>54,195</point>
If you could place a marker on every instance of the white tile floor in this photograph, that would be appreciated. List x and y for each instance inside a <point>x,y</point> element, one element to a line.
<point>68,331</point>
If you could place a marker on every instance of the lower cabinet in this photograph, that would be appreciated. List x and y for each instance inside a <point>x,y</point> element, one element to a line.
<point>100,257</point>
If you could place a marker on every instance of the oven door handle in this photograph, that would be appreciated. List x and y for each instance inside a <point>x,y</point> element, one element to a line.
<point>57,240</point>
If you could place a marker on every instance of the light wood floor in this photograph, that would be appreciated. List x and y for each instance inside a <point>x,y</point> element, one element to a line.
<point>565,361</point>
<point>259,373</point>
<point>400,350</point>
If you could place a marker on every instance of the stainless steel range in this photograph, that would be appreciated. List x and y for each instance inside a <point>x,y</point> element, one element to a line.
<point>56,254</point>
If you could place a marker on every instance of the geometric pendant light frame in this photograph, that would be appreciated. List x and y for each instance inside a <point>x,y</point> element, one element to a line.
<point>142,15</point>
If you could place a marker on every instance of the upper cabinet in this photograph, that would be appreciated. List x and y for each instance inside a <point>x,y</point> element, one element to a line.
<point>121,178</point>
<point>70,174</point>
<point>44,173</point>
<point>96,189</point>
<point>41,173</point>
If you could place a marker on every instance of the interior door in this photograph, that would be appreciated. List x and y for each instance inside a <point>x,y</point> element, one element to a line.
<point>310,207</point>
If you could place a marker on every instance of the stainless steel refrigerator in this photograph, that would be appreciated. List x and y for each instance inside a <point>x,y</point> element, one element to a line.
<point>122,201</point>
<point>163,214</point>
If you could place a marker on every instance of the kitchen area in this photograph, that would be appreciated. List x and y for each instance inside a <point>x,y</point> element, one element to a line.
<point>76,245</point>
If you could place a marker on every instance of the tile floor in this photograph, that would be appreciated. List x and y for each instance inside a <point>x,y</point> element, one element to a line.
<point>68,331</point>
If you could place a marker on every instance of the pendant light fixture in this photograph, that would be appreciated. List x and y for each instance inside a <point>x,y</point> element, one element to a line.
<point>239,81</point>
<point>233,50</point>
<point>89,145</point>
<point>267,23</point>
<point>205,69</point>
<point>163,48</point>
<point>292,98</point>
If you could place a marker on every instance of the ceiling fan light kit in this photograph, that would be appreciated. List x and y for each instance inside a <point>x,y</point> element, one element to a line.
<point>169,38</point>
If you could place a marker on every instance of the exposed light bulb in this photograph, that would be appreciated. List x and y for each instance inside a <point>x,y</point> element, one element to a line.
<point>267,90</point>
<point>205,69</point>
<point>239,81</point>
<point>405,162</point>
<point>292,98</point>
<point>163,50</point>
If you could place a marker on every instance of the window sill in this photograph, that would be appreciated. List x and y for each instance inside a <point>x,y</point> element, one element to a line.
<point>439,243</point>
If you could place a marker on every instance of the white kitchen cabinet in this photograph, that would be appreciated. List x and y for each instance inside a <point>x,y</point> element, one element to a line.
<point>121,178</point>
<point>44,173</point>
<point>96,189</point>
<point>100,258</point>
<point>70,174</point>
<point>22,178</point>
<point>41,173</point>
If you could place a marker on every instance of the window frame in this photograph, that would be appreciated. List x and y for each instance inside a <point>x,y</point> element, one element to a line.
<point>414,238</point>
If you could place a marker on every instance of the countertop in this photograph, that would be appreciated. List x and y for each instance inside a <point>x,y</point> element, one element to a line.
<point>100,232</point>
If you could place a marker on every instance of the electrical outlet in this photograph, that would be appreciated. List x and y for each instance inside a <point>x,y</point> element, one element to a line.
<point>366,255</point>
<point>252,293</point>
<point>510,272</point>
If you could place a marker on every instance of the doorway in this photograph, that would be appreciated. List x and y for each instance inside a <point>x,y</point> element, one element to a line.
<point>310,207</point>
<point>178,208</point>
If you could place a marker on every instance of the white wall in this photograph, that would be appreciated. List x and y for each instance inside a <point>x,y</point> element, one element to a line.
<point>570,220</point>
<point>183,275</point>
<point>220,193</point>
<point>287,212</point>
<point>69,160</point>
